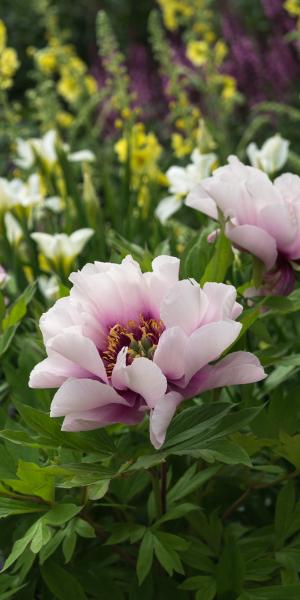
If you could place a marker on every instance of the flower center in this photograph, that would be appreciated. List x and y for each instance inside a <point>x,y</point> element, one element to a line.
<point>141,337</point>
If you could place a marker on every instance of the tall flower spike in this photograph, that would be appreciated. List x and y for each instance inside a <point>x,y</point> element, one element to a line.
<point>126,342</point>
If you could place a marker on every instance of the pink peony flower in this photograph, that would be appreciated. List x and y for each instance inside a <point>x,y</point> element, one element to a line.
<point>263,218</point>
<point>126,342</point>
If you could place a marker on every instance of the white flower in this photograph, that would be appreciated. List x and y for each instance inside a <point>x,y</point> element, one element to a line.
<point>14,231</point>
<point>49,286</point>
<point>19,193</point>
<point>5,195</point>
<point>182,180</point>
<point>62,246</point>
<point>26,194</point>
<point>82,155</point>
<point>271,156</point>
<point>45,148</point>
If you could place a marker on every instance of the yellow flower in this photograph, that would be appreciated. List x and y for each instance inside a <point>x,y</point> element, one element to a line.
<point>220,51</point>
<point>8,65</point>
<point>145,151</point>
<point>46,60</point>
<point>198,52</point>
<point>2,36</point>
<point>292,7</point>
<point>76,65</point>
<point>90,84</point>
<point>181,146</point>
<point>68,88</point>
<point>174,9</point>
<point>121,148</point>
<point>64,119</point>
<point>229,89</point>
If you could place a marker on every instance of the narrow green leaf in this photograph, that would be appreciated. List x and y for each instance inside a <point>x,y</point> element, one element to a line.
<point>61,583</point>
<point>145,557</point>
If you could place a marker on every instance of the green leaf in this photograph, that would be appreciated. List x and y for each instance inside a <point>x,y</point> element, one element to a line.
<point>220,262</point>
<point>283,512</point>
<point>201,583</point>
<point>98,490</point>
<point>6,339</point>
<point>41,537</point>
<point>49,548</point>
<point>225,451</point>
<point>8,464</point>
<point>190,482</point>
<point>168,558</point>
<point>289,557</point>
<point>69,545</point>
<point>18,310</point>
<point>231,568</point>
<point>177,512</point>
<point>61,583</point>
<point>84,529</point>
<point>34,480</point>
<point>20,545</point>
<point>290,448</point>
<point>196,256</point>
<point>183,426</point>
<point>10,506</point>
<point>125,531</point>
<point>61,513</point>
<point>145,557</point>
<point>276,592</point>
<point>93,441</point>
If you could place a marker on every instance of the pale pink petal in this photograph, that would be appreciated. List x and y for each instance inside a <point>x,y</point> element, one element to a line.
<point>278,221</point>
<point>83,394</point>
<point>184,306</point>
<point>170,352</point>
<point>164,276</point>
<point>145,378</point>
<point>208,343</point>
<point>53,371</point>
<point>161,417</point>
<point>199,199</point>
<point>119,376</point>
<point>236,368</point>
<point>254,240</point>
<point>87,420</point>
<point>221,302</point>
<point>60,316</point>
<point>80,350</point>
